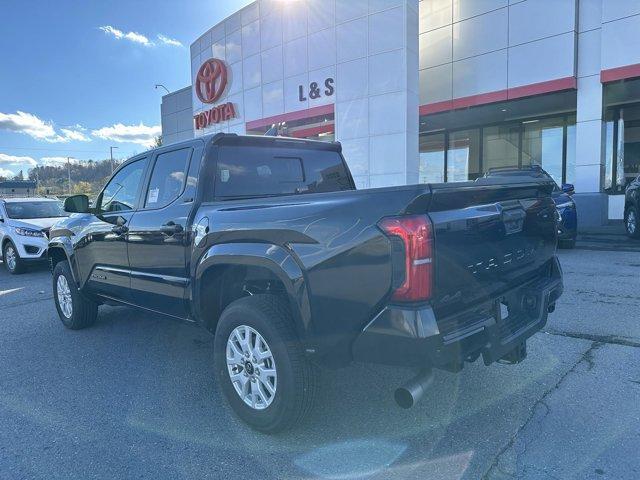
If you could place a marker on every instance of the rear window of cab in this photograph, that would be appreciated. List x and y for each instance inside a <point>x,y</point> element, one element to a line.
<point>254,172</point>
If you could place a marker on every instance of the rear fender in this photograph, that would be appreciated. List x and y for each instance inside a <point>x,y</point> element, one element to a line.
<point>276,259</point>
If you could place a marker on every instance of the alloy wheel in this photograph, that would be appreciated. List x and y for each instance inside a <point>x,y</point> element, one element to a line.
<point>10,257</point>
<point>251,367</point>
<point>64,296</point>
<point>631,222</point>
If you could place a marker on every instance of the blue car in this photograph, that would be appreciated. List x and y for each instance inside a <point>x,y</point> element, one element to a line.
<point>568,223</point>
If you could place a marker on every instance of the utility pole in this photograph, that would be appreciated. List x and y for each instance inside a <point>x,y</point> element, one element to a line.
<point>111,154</point>
<point>69,172</point>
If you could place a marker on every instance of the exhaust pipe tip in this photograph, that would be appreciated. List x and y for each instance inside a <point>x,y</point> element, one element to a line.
<point>411,392</point>
<point>403,398</point>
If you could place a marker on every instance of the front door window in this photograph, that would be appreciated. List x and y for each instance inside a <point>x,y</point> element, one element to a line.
<point>121,192</point>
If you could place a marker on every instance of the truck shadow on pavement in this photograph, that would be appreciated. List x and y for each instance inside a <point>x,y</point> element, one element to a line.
<point>162,373</point>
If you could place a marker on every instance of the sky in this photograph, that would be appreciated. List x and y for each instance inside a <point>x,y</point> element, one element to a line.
<point>77,77</point>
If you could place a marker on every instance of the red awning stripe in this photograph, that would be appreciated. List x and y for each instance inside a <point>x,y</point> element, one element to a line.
<point>291,116</point>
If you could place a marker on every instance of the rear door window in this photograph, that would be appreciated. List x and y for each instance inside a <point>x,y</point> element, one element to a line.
<point>255,172</point>
<point>167,178</point>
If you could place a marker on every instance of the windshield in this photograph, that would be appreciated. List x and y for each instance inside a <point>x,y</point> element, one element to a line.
<point>31,210</point>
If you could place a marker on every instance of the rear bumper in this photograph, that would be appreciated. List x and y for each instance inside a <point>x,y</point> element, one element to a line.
<point>414,337</point>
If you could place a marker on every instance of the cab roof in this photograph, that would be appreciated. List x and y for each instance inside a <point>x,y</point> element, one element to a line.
<point>253,140</point>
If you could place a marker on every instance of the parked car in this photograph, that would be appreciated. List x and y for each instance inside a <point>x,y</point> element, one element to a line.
<point>265,242</point>
<point>632,208</point>
<point>24,224</point>
<point>568,216</point>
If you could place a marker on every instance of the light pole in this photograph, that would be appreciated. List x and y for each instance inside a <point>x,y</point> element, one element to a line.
<point>162,86</point>
<point>111,155</point>
<point>69,172</point>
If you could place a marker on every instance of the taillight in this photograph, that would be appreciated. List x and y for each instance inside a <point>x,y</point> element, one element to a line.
<point>416,234</point>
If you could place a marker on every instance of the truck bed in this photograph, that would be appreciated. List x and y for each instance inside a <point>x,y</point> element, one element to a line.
<point>490,236</point>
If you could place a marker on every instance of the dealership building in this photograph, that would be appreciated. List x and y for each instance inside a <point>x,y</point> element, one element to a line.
<point>432,90</point>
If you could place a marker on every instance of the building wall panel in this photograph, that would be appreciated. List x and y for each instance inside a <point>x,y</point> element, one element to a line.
<point>536,19</point>
<point>482,34</point>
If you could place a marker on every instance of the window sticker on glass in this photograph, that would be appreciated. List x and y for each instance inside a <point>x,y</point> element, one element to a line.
<point>224,175</point>
<point>153,195</point>
<point>264,171</point>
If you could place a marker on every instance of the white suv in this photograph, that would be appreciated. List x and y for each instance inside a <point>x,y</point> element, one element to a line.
<point>24,226</point>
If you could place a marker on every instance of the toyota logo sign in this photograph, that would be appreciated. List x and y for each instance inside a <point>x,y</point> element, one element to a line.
<point>211,80</point>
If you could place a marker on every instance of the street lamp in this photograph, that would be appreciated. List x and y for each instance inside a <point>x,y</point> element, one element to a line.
<point>111,155</point>
<point>69,173</point>
<point>162,86</point>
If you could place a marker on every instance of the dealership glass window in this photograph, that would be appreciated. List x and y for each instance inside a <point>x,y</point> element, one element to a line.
<point>570,152</point>
<point>463,155</point>
<point>500,146</point>
<point>319,127</point>
<point>549,142</point>
<point>609,152</point>
<point>622,147</point>
<point>543,144</point>
<point>619,156</point>
<point>630,118</point>
<point>432,158</point>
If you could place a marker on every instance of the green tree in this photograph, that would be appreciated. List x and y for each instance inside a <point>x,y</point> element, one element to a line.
<point>82,187</point>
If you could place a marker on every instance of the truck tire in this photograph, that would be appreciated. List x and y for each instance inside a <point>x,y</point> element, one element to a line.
<point>11,258</point>
<point>75,311</point>
<point>631,220</point>
<point>274,385</point>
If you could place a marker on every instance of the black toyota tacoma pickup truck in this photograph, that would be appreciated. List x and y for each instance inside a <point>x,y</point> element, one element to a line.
<point>266,243</point>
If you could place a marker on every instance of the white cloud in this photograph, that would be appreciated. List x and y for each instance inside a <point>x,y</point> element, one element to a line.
<point>138,134</point>
<point>139,38</point>
<point>131,36</point>
<point>169,41</point>
<point>39,129</point>
<point>6,173</point>
<point>74,135</point>
<point>27,123</point>
<point>112,31</point>
<point>15,160</point>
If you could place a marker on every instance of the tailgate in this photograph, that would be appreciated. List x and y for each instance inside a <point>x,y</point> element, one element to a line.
<point>489,237</point>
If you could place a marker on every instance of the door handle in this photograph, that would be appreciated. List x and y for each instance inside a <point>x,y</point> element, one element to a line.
<point>171,228</point>
<point>120,229</point>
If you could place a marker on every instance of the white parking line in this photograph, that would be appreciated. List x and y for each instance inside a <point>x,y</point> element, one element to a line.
<point>11,290</point>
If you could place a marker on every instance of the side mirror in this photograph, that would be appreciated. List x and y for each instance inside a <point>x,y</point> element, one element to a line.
<point>568,188</point>
<point>77,204</point>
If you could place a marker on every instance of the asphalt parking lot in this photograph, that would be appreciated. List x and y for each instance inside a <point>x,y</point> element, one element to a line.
<point>134,397</point>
